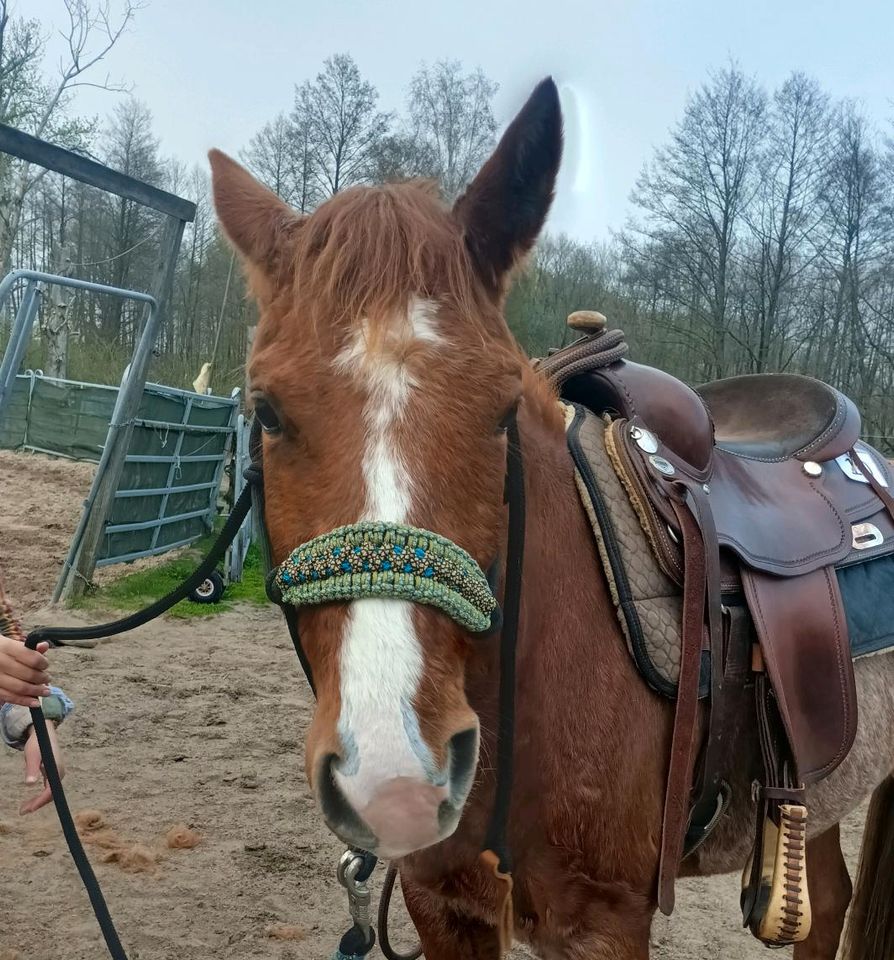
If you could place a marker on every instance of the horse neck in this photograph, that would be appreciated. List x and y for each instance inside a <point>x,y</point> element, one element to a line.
<point>569,643</point>
<point>571,648</point>
<point>564,588</point>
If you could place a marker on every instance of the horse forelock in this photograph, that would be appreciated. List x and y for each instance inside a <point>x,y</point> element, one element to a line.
<point>366,252</point>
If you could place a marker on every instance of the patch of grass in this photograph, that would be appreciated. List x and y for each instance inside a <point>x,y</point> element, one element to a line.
<point>133,591</point>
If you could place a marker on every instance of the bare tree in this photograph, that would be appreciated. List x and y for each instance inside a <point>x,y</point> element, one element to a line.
<point>339,124</point>
<point>792,163</point>
<point>694,193</point>
<point>91,33</point>
<point>132,149</point>
<point>452,121</point>
<point>401,156</point>
<point>281,154</point>
<point>857,216</point>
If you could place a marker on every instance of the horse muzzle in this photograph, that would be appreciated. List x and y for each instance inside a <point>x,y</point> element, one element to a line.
<point>393,816</point>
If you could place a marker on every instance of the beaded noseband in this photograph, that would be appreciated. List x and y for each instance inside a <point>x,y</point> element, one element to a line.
<point>374,559</point>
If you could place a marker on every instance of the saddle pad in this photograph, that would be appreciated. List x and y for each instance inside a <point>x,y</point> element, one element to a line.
<point>649,604</point>
<point>868,593</point>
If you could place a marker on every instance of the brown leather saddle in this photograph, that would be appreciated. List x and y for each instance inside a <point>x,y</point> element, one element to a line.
<point>752,491</point>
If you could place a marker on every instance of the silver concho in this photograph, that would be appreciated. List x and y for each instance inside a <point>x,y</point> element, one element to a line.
<point>663,466</point>
<point>644,439</point>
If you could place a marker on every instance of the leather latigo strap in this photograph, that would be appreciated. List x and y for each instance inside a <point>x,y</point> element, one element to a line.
<point>683,743</point>
<point>881,492</point>
<point>712,793</point>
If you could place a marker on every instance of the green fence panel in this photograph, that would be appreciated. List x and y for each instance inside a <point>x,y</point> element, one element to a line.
<point>70,418</point>
<point>14,424</point>
<point>179,444</point>
<point>168,490</point>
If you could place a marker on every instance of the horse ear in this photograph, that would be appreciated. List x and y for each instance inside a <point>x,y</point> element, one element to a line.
<point>253,217</point>
<point>505,206</point>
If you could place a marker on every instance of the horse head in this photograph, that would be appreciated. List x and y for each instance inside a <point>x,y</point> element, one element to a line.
<point>384,376</point>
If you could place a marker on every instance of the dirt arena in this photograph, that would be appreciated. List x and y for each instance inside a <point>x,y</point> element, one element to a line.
<point>199,724</point>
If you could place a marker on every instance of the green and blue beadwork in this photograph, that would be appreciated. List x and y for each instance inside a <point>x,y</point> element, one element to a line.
<point>374,559</point>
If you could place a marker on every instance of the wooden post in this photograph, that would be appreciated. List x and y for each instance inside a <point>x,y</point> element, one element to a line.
<point>56,323</point>
<point>130,396</point>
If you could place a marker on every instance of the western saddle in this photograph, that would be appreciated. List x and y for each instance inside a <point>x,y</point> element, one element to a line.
<point>751,490</point>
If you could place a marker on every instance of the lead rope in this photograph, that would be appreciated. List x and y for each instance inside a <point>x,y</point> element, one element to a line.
<point>496,854</point>
<point>58,636</point>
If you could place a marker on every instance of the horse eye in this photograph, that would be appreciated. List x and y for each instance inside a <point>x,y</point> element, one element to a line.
<point>266,415</point>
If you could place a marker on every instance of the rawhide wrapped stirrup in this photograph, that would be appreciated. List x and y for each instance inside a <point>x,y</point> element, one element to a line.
<point>775,897</point>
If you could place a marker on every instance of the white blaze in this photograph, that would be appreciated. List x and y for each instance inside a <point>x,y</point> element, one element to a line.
<point>381,657</point>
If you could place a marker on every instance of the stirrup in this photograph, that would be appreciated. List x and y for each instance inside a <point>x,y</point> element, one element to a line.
<point>779,913</point>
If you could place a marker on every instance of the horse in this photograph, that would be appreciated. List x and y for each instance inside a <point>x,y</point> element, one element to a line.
<point>384,375</point>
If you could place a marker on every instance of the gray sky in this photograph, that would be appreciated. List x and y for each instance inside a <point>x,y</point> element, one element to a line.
<point>213,71</point>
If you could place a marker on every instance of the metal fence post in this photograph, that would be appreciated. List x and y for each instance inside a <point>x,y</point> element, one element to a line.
<point>32,383</point>
<point>239,549</point>
<point>130,397</point>
<point>19,336</point>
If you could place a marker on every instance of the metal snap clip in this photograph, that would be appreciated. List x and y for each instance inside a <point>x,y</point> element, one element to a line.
<point>812,468</point>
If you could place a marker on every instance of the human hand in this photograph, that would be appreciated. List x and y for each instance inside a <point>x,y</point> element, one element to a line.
<point>34,771</point>
<point>23,673</point>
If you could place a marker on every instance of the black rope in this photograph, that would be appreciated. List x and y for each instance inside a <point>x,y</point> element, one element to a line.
<point>495,839</point>
<point>76,849</point>
<point>59,635</point>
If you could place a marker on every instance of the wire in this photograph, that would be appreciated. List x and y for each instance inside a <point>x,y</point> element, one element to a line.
<point>118,256</point>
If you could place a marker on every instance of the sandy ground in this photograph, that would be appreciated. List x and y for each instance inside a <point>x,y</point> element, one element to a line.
<point>200,723</point>
<point>40,503</point>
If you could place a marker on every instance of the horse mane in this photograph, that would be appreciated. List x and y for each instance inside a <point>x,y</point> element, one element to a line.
<point>364,253</point>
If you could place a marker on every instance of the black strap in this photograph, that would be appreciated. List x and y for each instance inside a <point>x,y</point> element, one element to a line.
<point>495,839</point>
<point>291,616</point>
<point>88,877</point>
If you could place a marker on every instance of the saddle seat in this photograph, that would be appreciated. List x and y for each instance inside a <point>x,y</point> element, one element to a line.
<point>780,416</point>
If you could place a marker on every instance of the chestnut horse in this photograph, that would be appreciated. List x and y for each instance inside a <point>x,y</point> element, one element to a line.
<point>383,372</point>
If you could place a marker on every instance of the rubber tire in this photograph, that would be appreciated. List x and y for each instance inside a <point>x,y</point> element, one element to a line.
<point>210,591</point>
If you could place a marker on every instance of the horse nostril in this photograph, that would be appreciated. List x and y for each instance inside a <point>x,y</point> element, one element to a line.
<point>340,815</point>
<point>463,760</point>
